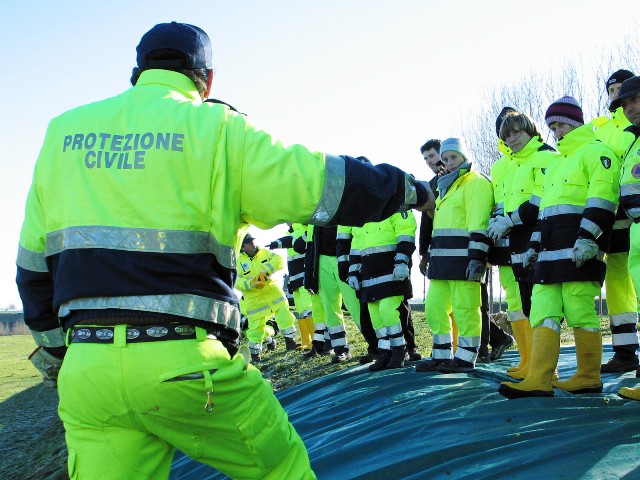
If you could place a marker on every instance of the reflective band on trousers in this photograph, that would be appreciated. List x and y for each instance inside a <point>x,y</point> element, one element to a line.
<point>182,305</point>
<point>139,240</point>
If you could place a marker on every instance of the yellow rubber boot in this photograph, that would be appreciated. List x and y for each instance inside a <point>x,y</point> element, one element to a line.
<point>589,357</point>
<point>542,364</point>
<point>306,332</point>
<point>521,371</point>
<point>630,393</point>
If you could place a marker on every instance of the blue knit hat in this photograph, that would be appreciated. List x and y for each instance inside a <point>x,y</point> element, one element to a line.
<point>454,144</point>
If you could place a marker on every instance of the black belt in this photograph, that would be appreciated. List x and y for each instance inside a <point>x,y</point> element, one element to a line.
<point>135,334</point>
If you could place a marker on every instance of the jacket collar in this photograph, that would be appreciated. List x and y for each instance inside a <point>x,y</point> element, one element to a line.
<point>446,181</point>
<point>173,80</point>
<point>575,139</point>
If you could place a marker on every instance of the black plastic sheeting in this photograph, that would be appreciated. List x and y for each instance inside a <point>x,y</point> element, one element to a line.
<point>402,424</point>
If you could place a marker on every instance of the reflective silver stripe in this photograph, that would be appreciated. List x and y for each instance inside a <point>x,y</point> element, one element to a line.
<point>343,258</point>
<point>296,276</point>
<point>394,329</point>
<point>269,267</point>
<point>397,341</point>
<point>448,252</point>
<point>384,344</point>
<point>516,315</point>
<point>480,232</point>
<point>255,348</point>
<point>515,218</point>
<point>30,260</point>
<point>318,337</point>
<point>406,238</point>
<point>355,267</point>
<point>550,323</point>
<point>377,280</point>
<point>517,258</point>
<point>49,338</point>
<point>331,192</point>
<point>469,342</point>
<point>298,256</point>
<point>633,212</point>
<point>535,200</point>
<point>378,249</point>
<point>336,329</point>
<point>591,227</point>
<point>627,318</point>
<point>140,240</point>
<point>562,254</point>
<point>401,257</point>
<point>450,232</point>
<point>441,353</point>
<point>630,189</point>
<point>564,209</point>
<point>355,252</point>
<point>344,236</point>
<point>595,202</point>
<point>597,329</point>
<point>321,326</point>
<point>466,355</point>
<point>624,339</point>
<point>502,242</point>
<point>441,338</point>
<point>536,236</point>
<point>182,305</point>
<point>278,300</point>
<point>622,224</point>
<point>479,246</point>
<point>288,332</point>
<point>306,313</point>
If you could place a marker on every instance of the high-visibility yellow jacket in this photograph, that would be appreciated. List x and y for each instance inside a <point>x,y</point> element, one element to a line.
<point>460,226</point>
<point>379,247</point>
<point>630,178</point>
<point>615,133</point>
<point>499,252</point>
<point>249,268</point>
<point>295,260</point>
<point>579,199</point>
<point>137,201</point>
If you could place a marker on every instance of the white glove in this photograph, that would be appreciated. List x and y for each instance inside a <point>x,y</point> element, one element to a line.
<point>530,258</point>
<point>354,282</point>
<point>49,365</point>
<point>500,226</point>
<point>583,250</point>
<point>401,271</point>
<point>476,270</point>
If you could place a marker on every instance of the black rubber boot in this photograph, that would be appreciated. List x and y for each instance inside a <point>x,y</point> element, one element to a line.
<point>382,360</point>
<point>397,357</point>
<point>290,343</point>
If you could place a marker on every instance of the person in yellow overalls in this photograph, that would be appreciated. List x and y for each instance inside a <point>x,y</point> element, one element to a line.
<point>263,297</point>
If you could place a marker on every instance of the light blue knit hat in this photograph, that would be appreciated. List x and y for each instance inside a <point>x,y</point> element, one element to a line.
<point>456,145</point>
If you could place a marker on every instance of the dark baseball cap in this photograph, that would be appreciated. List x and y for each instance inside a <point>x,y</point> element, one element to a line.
<point>248,238</point>
<point>629,88</point>
<point>187,39</point>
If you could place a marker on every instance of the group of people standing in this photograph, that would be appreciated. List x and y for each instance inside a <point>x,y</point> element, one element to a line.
<point>556,221</point>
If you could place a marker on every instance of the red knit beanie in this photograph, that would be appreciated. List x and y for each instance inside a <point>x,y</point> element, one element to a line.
<point>566,110</point>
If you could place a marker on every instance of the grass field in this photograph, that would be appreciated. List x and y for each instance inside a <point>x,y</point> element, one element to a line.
<point>32,437</point>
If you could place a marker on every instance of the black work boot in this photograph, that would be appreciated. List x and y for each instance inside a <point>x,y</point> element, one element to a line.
<point>382,360</point>
<point>413,355</point>
<point>256,357</point>
<point>617,364</point>
<point>431,364</point>
<point>369,357</point>
<point>397,357</point>
<point>290,344</point>
<point>456,366</point>
<point>342,355</point>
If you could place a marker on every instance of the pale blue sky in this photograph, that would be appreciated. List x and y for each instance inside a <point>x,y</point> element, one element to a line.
<point>374,78</point>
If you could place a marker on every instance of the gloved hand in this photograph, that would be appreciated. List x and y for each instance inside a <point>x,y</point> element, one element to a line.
<point>476,270</point>
<point>401,271</point>
<point>424,263</point>
<point>584,249</point>
<point>273,246</point>
<point>257,282</point>
<point>354,282</point>
<point>499,227</point>
<point>529,259</point>
<point>48,364</point>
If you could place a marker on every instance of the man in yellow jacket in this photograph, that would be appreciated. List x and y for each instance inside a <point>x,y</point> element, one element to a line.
<point>128,256</point>
<point>629,100</point>
<point>577,210</point>
<point>263,297</point>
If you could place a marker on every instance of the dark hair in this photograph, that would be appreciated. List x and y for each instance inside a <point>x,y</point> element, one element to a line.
<point>199,76</point>
<point>433,143</point>
<point>516,121</point>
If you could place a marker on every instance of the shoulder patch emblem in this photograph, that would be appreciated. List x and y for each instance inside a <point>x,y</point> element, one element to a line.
<point>606,162</point>
<point>635,171</point>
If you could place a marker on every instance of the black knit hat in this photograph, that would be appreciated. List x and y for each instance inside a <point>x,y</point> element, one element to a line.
<point>618,77</point>
<point>566,110</point>
<point>501,116</point>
